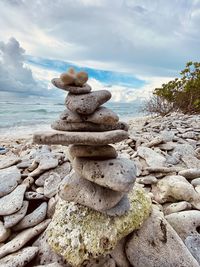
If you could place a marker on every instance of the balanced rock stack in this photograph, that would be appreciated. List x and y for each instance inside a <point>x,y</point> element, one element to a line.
<point>95,210</point>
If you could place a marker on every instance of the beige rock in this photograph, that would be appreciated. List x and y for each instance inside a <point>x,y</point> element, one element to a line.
<point>86,151</point>
<point>147,180</point>
<point>119,255</point>
<point>33,195</point>
<point>102,261</point>
<point>117,174</point>
<point>152,158</point>
<point>156,244</point>
<point>4,233</point>
<point>20,258</point>
<point>78,138</point>
<point>190,173</point>
<point>81,78</point>
<point>51,207</point>
<point>195,182</point>
<point>84,192</point>
<point>67,78</point>
<point>185,223</point>
<point>12,202</point>
<point>176,207</point>
<point>22,238</point>
<point>51,185</point>
<point>86,88</point>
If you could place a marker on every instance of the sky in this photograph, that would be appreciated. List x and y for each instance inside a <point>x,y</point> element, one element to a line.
<point>127,46</point>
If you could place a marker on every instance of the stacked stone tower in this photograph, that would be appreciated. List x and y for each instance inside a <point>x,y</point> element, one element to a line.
<point>100,179</point>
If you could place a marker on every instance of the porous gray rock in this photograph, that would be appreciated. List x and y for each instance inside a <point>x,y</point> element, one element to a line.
<point>192,242</point>
<point>33,218</point>
<point>78,138</point>
<point>176,207</point>
<point>71,88</point>
<point>120,208</point>
<point>4,233</point>
<point>87,103</point>
<point>82,191</point>
<point>86,151</point>
<point>62,125</point>
<point>31,195</point>
<point>117,174</point>
<point>157,244</point>
<point>7,161</point>
<point>51,185</point>
<point>153,159</point>
<point>12,202</point>
<point>13,219</point>
<point>190,173</point>
<point>19,259</point>
<point>9,179</point>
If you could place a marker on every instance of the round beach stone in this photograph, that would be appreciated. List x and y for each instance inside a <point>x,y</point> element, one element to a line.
<point>98,152</point>
<point>13,219</point>
<point>62,125</point>
<point>87,103</point>
<point>117,174</point>
<point>9,179</point>
<point>12,202</point>
<point>33,218</point>
<point>88,234</point>
<point>79,138</point>
<point>82,191</point>
<point>86,88</point>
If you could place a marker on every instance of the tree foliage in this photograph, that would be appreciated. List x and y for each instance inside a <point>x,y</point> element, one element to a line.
<point>181,94</point>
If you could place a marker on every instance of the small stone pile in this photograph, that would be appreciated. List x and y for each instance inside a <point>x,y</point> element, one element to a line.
<point>95,194</point>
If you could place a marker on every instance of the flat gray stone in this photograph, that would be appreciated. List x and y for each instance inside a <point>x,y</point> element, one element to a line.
<point>192,242</point>
<point>87,103</point>
<point>62,125</point>
<point>22,238</point>
<point>153,159</point>
<point>33,218</point>
<point>79,138</point>
<point>51,185</point>
<point>9,179</point>
<point>20,258</point>
<point>190,173</point>
<point>120,209</point>
<point>13,202</point>
<point>117,174</point>
<point>86,88</point>
<point>7,161</point>
<point>13,219</point>
<point>86,151</point>
<point>102,115</point>
<point>82,191</point>
<point>157,244</point>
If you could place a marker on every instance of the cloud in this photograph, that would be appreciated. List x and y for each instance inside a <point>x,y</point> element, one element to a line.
<point>15,76</point>
<point>149,38</point>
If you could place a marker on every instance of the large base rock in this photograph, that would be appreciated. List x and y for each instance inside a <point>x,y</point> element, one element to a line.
<point>79,233</point>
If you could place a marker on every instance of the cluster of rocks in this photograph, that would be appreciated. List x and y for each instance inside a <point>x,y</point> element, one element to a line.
<point>101,184</point>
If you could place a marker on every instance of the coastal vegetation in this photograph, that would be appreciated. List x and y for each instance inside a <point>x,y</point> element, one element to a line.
<point>181,94</point>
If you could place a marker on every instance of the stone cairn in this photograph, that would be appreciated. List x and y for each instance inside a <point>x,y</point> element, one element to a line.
<point>101,181</point>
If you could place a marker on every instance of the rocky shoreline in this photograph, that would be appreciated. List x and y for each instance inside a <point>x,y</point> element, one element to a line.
<point>166,152</point>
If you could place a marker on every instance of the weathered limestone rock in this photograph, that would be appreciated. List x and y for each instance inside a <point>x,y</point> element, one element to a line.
<point>119,255</point>
<point>62,125</point>
<point>176,207</point>
<point>7,161</point>
<point>87,234</point>
<point>193,244</point>
<point>89,194</point>
<point>78,138</point>
<point>101,152</point>
<point>120,208</point>
<point>9,179</point>
<point>13,202</point>
<point>190,173</point>
<point>117,174</point>
<point>70,88</point>
<point>20,258</point>
<point>87,103</point>
<point>13,219</point>
<point>153,159</point>
<point>156,244</point>
<point>51,185</point>
<point>4,233</point>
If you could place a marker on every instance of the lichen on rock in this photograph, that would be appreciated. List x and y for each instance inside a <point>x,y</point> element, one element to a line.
<point>79,233</point>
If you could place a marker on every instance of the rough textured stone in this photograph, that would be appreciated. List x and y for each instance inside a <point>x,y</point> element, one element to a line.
<point>188,155</point>
<point>156,244</point>
<point>7,161</point>
<point>175,187</point>
<point>4,233</point>
<point>147,180</point>
<point>20,258</point>
<point>84,192</point>
<point>153,159</point>
<point>193,244</point>
<point>51,185</point>
<point>78,138</point>
<point>13,202</point>
<point>33,218</point>
<point>185,223</point>
<point>104,152</point>
<point>119,255</point>
<point>176,207</point>
<point>87,103</point>
<point>13,219</point>
<point>62,125</point>
<point>102,115</point>
<point>190,173</point>
<point>120,209</point>
<point>33,195</point>
<point>9,179</point>
<point>102,261</point>
<point>117,174</point>
<point>22,238</point>
<point>88,234</point>
<point>70,88</point>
